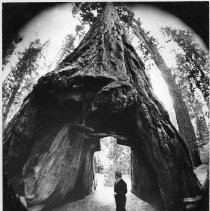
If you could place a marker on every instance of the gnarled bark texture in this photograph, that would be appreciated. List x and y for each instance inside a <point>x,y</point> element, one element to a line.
<point>99,90</point>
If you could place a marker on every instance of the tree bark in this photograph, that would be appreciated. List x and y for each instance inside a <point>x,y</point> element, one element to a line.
<point>143,183</point>
<point>99,90</point>
<point>182,114</point>
<point>202,130</point>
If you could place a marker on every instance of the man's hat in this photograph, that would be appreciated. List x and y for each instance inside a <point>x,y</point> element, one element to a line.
<point>118,173</point>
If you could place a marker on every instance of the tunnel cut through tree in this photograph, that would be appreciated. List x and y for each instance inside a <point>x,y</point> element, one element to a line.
<point>99,90</point>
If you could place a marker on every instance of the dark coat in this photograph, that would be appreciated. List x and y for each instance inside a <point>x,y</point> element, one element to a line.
<point>120,188</point>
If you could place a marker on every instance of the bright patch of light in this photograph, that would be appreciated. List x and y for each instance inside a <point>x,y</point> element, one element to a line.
<point>161,90</point>
<point>53,23</point>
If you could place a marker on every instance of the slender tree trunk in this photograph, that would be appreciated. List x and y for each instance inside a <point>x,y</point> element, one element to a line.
<point>101,90</point>
<point>202,130</point>
<point>182,115</point>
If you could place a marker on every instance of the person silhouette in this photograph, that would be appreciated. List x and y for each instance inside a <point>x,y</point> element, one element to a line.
<point>120,190</point>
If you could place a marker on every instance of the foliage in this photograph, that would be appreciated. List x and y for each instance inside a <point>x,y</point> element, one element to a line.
<point>16,81</point>
<point>66,48</point>
<point>26,72</point>
<point>113,156</point>
<point>191,76</point>
<point>68,45</point>
<point>193,61</point>
<point>195,104</point>
<point>88,11</point>
<point>11,49</point>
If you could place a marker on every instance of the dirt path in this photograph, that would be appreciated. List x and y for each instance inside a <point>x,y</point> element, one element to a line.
<point>103,200</point>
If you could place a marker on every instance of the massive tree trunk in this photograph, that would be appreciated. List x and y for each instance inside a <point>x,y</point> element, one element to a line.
<point>99,90</point>
<point>182,114</point>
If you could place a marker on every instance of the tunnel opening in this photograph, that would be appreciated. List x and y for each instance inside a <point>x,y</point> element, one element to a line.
<point>111,157</point>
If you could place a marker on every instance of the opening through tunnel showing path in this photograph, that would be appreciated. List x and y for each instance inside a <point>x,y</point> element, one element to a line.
<point>99,90</point>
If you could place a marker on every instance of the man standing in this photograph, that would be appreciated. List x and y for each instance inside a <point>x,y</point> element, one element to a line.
<point>120,189</point>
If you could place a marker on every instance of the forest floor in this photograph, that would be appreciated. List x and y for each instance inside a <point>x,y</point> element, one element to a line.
<point>102,199</point>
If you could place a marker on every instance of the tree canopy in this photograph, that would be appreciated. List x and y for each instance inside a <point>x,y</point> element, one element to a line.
<point>193,60</point>
<point>24,67</point>
<point>88,11</point>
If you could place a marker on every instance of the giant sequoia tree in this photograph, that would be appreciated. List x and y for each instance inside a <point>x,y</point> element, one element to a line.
<point>85,9</point>
<point>99,90</point>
